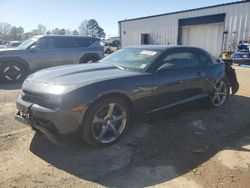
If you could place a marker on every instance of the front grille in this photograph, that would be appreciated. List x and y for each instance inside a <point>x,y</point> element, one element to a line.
<point>32,97</point>
<point>39,99</point>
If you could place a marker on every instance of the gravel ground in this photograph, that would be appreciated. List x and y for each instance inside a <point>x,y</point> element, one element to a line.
<point>189,146</point>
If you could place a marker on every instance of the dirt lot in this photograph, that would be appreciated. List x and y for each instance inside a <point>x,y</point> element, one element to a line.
<point>184,147</point>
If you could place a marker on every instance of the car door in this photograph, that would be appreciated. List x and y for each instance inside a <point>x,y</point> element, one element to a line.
<point>181,83</point>
<point>67,48</point>
<point>44,54</point>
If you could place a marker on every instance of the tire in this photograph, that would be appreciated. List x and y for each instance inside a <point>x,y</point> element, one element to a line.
<point>108,51</point>
<point>106,121</point>
<point>89,59</point>
<point>220,93</point>
<point>236,63</point>
<point>12,72</point>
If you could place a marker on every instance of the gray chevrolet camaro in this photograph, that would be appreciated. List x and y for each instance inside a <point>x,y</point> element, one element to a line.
<point>100,99</point>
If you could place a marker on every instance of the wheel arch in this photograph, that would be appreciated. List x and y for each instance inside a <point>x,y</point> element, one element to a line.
<point>17,59</point>
<point>93,55</point>
<point>122,96</point>
<point>119,95</point>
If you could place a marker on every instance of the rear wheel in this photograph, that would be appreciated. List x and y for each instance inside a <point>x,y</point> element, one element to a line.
<point>220,93</point>
<point>12,72</point>
<point>89,59</point>
<point>106,122</point>
<point>108,51</point>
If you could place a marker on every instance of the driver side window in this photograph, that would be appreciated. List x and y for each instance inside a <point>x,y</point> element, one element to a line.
<point>47,43</point>
<point>182,59</point>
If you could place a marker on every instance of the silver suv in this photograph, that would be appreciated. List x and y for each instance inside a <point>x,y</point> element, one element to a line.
<point>41,52</point>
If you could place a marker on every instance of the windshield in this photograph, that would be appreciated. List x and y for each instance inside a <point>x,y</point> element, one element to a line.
<point>132,58</point>
<point>25,44</point>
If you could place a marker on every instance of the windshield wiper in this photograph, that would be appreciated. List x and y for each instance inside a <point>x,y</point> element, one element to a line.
<point>120,67</point>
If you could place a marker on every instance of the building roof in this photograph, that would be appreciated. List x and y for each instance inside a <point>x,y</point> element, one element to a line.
<point>182,11</point>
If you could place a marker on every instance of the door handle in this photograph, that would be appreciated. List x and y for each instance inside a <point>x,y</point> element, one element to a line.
<point>200,73</point>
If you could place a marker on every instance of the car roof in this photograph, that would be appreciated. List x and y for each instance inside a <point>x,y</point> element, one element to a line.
<point>164,47</point>
<point>12,42</point>
<point>66,36</point>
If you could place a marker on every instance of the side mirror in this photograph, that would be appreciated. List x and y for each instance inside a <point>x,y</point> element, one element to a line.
<point>165,67</point>
<point>33,48</point>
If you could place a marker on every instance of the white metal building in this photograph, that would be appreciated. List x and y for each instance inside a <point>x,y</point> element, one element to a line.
<point>214,28</point>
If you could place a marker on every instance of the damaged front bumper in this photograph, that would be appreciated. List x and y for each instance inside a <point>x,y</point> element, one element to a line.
<point>36,125</point>
<point>52,122</point>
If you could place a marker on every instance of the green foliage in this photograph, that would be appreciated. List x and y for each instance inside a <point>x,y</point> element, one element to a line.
<point>75,32</point>
<point>94,30</point>
<point>4,30</point>
<point>41,29</point>
<point>16,33</point>
<point>83,28</point>
<point>86,28</point>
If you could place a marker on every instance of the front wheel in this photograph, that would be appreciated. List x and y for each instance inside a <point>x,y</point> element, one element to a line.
<point>12,72</point>
<point>219,94</point>
<point>106,121</point>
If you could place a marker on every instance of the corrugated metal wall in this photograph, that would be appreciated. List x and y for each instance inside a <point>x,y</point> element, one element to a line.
<point>206,36</point>
<point>164,29</point>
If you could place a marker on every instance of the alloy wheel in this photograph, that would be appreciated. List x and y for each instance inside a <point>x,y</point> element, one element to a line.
<point>109,123</point>
<point>220,93</point>
<point>12,73</point>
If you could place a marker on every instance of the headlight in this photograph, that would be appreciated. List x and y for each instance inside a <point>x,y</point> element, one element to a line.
<point>47,87</point>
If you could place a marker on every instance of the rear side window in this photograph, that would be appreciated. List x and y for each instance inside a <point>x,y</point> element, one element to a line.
<point>182,59</point>
<point>74,42</point>
<point>205,60</point>
<point>85,42</point>
<point>63,42</point>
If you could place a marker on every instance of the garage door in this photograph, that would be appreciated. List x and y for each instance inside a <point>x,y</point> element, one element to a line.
<point>206,36</point>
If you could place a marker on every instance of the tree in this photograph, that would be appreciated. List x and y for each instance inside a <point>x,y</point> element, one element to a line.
<point>68,32</point>
<point>94,30</point>
<point>100,33</point>
<point>16,33</point>
<point>75,32</point>
<point>12,35</point>
<point>34,32</point>
<point>27,35</point>
<point>4,30</point>
<point>20,32</point>
<point>56,31</point>
<point>62,32</point>
<point>41,29</point>
<point>83,28</point>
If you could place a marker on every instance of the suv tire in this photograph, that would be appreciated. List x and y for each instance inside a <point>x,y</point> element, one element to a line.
<point>89,59</point>
<point>12,72</point>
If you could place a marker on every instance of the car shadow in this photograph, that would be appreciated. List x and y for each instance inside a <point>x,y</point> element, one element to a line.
<point>13,86</point>
<point>156,149</point>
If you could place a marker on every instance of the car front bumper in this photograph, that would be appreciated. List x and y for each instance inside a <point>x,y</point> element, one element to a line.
<point>51,122</point>
<point>241,60</point>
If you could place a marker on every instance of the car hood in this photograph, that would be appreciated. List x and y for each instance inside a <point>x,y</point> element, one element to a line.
<point>9,51</point>
<point>77,75</point>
